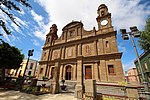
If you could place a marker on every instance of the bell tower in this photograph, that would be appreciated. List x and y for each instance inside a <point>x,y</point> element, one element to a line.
<point>52,35</point>
<point>104,17</point>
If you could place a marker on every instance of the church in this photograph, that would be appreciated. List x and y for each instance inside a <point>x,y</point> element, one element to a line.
<point>83,54</point>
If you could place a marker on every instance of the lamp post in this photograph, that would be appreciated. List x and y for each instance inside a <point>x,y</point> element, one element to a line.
<point>135,32</point>
<point>30,53</point>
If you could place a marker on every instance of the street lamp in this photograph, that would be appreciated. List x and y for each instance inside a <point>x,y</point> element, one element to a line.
<point>30,53</point>
<point>135,32</point>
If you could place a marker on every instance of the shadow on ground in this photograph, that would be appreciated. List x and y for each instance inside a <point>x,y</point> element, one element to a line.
<point>16,95</point>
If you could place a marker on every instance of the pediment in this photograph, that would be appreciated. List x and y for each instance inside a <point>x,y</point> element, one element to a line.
<point>71,30</point>
<point>72,24</point>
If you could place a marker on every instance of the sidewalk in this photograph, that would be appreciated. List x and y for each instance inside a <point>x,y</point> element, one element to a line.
<point>16,95</point>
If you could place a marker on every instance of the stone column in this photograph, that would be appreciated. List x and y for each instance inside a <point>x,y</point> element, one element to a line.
<point>79,89</point>
<point>90,89</point>
<point>55,83</point>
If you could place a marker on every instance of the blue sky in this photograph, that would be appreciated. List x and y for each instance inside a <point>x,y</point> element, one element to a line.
<point>35,22</point>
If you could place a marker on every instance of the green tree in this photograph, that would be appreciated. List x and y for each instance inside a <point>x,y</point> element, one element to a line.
<point>7,7</point>
<point>10,57</point>
<point>144,41</point>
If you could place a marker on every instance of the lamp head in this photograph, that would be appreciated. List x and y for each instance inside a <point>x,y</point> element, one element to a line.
<point>133,29</point>
<point>30,52</point>
<point>123,31</point>
<point>124,34</point>
<point>135,32</point>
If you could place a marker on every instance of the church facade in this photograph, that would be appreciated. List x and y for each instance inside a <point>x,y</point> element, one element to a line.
<point>93,52</point>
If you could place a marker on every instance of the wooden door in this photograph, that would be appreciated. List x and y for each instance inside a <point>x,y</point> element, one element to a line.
<point>88,72</point>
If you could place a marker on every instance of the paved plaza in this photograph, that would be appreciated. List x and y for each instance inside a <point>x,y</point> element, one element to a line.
<point>16,95</point>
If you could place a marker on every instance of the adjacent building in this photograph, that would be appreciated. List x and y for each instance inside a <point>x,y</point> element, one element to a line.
<point>93,52</point>
<point>32,68</point>
<point>145,63</point>
<point>132,76</point>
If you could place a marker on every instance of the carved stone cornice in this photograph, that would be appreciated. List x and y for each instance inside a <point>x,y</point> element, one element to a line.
<point>85,59</point>
<point>80,41</point>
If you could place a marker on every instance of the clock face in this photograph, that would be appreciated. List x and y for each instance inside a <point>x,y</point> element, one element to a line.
<point>104,22</point>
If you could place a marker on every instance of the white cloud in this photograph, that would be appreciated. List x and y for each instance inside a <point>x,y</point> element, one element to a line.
<point>21,22</point>
<point>128,65</point>
<point>40,35</point>
<point>42,29</point>
<point>22,25</point>
<point>22,12</point>
<point>63,12</point>
<point>128,13</point>
<point>15,27</point>
<point>36,17</point>
<point>5,36</point>
<point>35,42</point>
<point>124,13</point>
<point>11,25</point>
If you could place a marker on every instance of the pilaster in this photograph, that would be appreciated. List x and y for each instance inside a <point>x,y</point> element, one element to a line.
<point>102,70</point>
<point>79,89</point>
<point>95,65</point>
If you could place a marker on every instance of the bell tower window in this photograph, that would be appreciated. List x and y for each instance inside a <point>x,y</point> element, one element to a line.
<point>48,39</point>
<point>107,44</point>
<point>102,13</point>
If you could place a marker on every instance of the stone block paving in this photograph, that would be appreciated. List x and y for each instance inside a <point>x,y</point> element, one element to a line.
<point>16,95</point>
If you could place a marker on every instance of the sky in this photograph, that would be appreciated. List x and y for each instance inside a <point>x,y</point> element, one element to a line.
<point>35,22</point>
